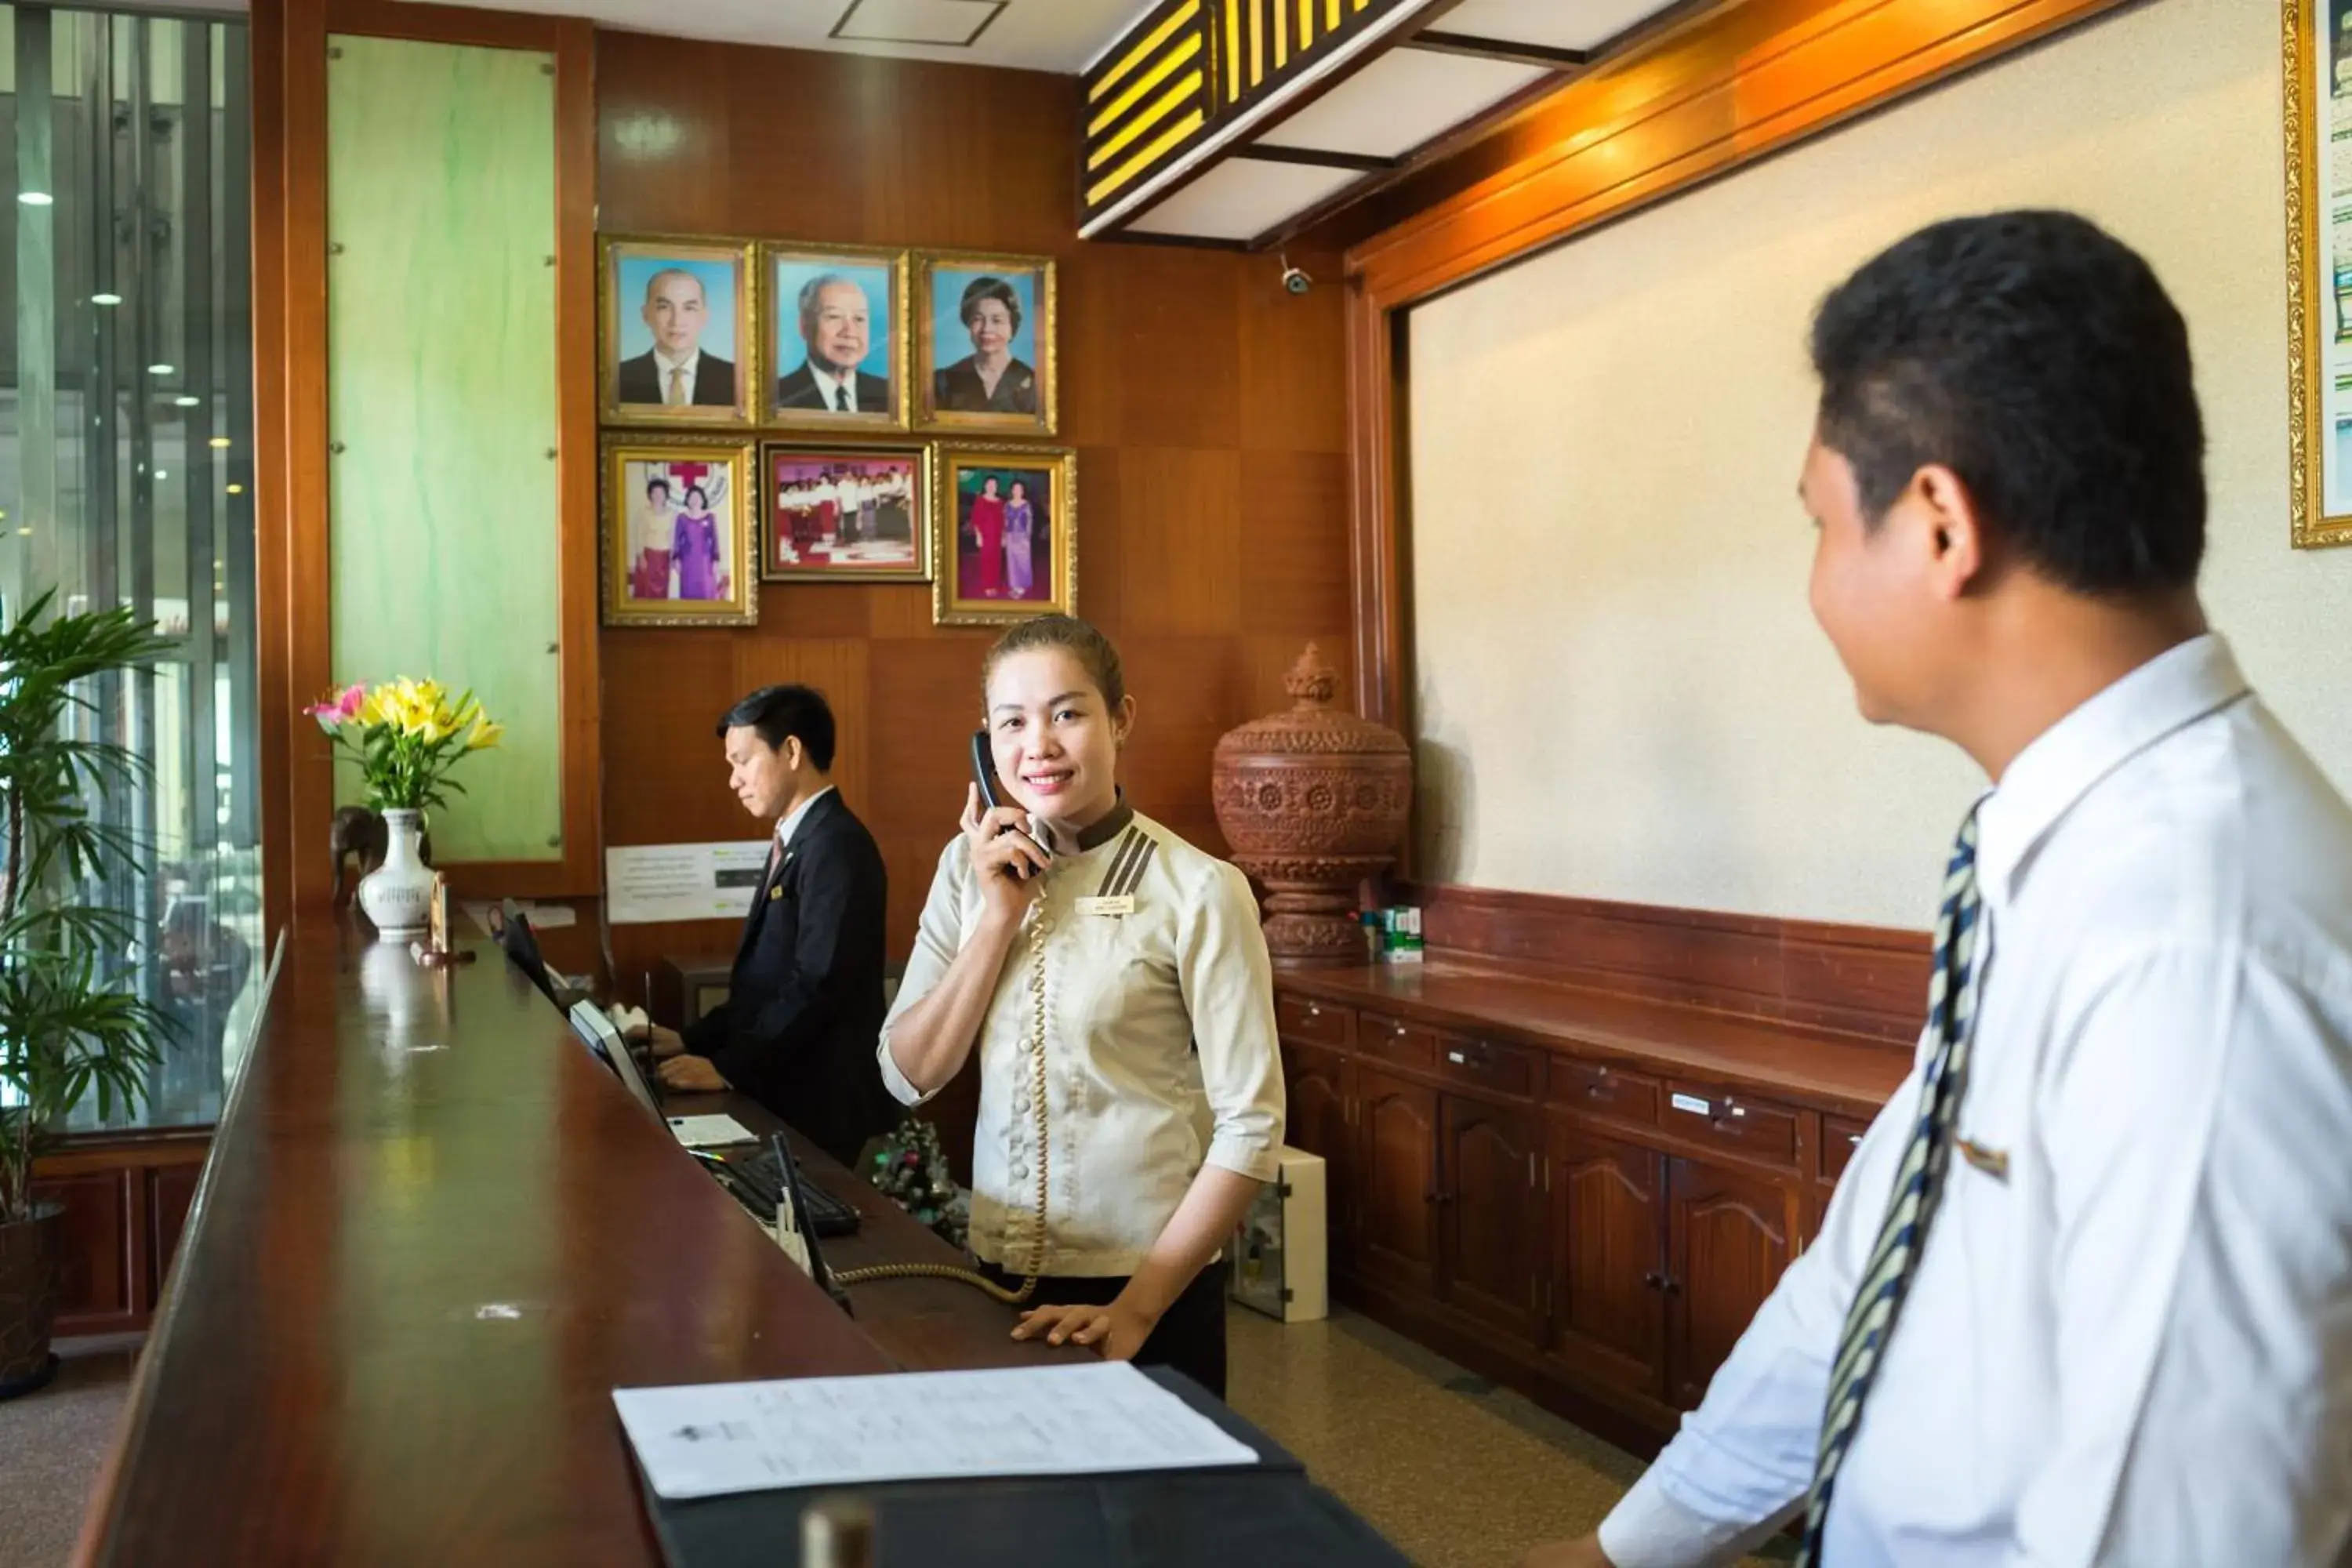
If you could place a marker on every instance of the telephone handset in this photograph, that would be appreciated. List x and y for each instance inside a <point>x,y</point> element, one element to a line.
<point>991,797</point>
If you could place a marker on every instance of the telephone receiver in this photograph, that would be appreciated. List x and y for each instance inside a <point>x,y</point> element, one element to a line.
<point>991,794</point>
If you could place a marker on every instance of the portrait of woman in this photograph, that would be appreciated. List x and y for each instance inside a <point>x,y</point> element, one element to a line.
<point>1006,532</point>
<point>987,357</point>
<point>694,547</point>
<point>839,512</point>
<point>678,530</point>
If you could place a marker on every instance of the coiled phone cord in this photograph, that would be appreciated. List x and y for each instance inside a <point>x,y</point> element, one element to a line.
<point>1038,929</point>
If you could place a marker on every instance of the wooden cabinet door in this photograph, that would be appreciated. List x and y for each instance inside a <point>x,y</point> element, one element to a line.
<point>100,1287</point>
<point>1608,1320</point>
<point>1728,1236</point>
<point>1395,1180</point>
<point>1490,1214</point>
<point>1319,1090</point>
<point>170,1190</point>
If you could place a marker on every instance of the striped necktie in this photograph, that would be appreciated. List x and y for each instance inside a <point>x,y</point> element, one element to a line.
<point>1953,986</point>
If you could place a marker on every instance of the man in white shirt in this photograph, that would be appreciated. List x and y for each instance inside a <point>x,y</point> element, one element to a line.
<point>2111,1322</point>
<point>675,373</point>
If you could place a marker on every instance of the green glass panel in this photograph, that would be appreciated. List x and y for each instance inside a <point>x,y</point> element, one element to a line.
<point>441,374</point>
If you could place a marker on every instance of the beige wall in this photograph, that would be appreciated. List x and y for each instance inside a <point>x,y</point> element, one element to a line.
<point>1621,693</point>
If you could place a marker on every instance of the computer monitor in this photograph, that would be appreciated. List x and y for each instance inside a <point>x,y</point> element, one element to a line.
<point>594,1029</point>
<point>512,928</point>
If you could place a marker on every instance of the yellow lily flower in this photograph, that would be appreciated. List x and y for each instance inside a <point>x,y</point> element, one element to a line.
<point>486,734</point>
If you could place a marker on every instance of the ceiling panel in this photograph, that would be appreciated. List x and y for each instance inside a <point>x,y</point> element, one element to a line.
<point>1035,34</point>
<point>1402,99</point>
<point>1242,199</point>
<point>1555,23</point>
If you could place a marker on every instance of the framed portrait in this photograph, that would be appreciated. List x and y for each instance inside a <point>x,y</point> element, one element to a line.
<point>1005,522</point>
<point>680,338</point>
<point>678,531</point>
<point>837,337</point>
<point>845,513</point>
<point>985,360</point>
<point>2318,71</point>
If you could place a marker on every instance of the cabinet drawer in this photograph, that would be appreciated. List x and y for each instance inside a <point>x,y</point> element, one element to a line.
<point>1395,1040</point>
<point>1604,1090</point>
<point>1839,1134</point>
<point>1755,1127</point>
<point>1304,1019</point>
<point>1480,1064</point>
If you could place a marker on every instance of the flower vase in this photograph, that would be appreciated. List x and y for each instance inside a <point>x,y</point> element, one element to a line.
<point>397,896</point>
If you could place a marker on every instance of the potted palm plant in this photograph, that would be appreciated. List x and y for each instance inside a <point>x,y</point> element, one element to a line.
<point>70,1024</point>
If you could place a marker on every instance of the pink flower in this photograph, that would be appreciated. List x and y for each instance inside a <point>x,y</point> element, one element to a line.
<point>340,708</point>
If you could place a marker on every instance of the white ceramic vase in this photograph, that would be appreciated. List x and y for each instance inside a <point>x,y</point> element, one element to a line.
<point>397,896</point>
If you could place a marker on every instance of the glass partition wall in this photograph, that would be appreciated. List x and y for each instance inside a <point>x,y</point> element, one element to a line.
<point>126,472</point>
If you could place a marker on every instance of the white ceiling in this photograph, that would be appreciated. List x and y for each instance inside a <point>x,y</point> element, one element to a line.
<point>1402,99</point>
<point>1033,34</point>
<point>1553,24</point>
<point>1242,199</point>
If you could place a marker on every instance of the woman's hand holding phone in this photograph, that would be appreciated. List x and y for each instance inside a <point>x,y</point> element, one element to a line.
<point>1008,862</point>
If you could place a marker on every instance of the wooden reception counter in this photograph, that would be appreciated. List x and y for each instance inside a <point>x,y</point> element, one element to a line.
<point>434,1235</point>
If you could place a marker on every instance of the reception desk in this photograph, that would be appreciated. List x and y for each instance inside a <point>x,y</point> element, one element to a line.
<point>434,1235</point>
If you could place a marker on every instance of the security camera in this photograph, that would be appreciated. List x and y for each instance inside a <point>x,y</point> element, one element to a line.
<point>1295,279</point>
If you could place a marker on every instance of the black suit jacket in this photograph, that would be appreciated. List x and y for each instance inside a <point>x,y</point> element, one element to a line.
<point>804,1011</point>
<point>800,390</point>
<point>714,382</point>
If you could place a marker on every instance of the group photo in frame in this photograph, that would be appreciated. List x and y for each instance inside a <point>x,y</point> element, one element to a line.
<point>986,360</point>
<point>837,336</point>
<point>1005,524</point>
<point>2319,80</point>
<point>677,526</point>
<point>844,512</point>
<point>678,341</point>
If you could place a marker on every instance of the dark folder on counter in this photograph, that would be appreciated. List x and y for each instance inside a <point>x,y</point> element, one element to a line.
<point>1265,1513</point>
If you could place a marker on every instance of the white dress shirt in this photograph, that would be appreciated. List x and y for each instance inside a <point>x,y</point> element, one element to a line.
<point>790,823</point>
<point>831,384</point>
<point>1160,1045</point>
<point>2129,1342</point>
<point>691,363</point>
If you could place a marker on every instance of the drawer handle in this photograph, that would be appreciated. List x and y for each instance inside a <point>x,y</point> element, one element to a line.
<point>1593,1091</point>
<point>1313,1011</point>
<point>1854,1140</point>
<point>1400,1031</point>
<point>1457,1058</point>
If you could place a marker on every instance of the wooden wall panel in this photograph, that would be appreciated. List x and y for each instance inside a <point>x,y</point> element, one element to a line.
<point>1206,405</point>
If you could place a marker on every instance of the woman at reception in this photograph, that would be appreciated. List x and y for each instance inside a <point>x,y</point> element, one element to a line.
<point>1114,983</point>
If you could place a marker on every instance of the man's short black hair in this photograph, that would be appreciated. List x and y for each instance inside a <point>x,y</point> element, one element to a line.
<point>2037,357</point>
<point>777,712</point>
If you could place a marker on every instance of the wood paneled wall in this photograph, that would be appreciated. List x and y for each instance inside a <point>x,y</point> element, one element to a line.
<point>1207,407</point>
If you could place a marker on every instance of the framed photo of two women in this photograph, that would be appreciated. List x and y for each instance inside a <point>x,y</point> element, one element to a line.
<point>825,338</point>
<point>2318,69</point>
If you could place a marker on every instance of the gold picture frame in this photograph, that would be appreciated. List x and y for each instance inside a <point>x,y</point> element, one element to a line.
<point>945,392</point>
<point>2319,319</point>
<point>643,543</point>
<point>827,511</point>
<point>986,586</point>
<point>628,377</point>
<point>790,395</point>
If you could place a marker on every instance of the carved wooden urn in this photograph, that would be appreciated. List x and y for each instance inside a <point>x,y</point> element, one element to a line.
<point>1313,803</point>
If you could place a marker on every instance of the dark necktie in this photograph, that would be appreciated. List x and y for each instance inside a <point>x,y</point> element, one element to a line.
<point>841,400</point>
<point>1952,991</point>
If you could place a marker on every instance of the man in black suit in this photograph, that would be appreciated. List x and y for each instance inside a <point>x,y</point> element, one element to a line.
<point>836,325</point>
<point>676,371</point>
<point>804,1005</point>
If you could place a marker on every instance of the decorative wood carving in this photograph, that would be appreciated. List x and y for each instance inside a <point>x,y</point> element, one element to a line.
<point>1313,802</point>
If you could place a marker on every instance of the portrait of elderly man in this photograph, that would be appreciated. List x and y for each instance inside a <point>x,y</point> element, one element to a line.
<point>676,372</point>
<point>839,326</point>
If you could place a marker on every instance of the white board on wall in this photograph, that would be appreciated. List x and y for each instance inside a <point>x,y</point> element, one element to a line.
<point>1620,692</point>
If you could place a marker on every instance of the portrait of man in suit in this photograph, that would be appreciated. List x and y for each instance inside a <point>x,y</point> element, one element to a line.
<point>835,346</point>
<point>672,316</point>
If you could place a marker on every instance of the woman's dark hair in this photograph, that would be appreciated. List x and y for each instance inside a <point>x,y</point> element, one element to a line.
<point>694,491</point>
<point>2039,358</point>
<point>997,288</point>
<point>1073,636</point>
<point>986,479</point>
<point>652,485</point>
<point>777,711</point>
<point>1020,485</point>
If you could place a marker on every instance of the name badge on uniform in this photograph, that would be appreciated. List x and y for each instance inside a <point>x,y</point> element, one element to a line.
<point>1993,1163</point>
<point>775,892</point>
<point>1109,908</point>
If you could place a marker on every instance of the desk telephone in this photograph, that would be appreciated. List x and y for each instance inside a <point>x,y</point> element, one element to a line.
<point>992,796</point>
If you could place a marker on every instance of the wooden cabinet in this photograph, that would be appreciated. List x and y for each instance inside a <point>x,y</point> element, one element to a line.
<point>125,1202</point>
<point>1395,1179</point>
<point>1490,1214</point>
<point>1728,1236</point>
<point>97,1291</point>
<point>1608,1253</point>
<point>1321,1091</point>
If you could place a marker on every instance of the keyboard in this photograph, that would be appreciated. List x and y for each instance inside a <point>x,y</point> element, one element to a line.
<point>827,1215</point>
